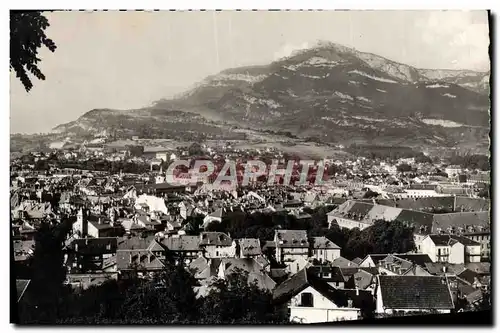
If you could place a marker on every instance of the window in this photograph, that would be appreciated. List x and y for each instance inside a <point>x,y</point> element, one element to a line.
<point>306,299</point>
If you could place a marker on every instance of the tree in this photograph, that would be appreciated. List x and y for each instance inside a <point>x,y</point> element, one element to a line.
<point>168,297</point>
<point>195,149</point>
<point>27,35</point>
<point>370,194</point>
<point>236,301</point>
<point>48,275</point>
<point>484,193</point>
<point>422,158</point>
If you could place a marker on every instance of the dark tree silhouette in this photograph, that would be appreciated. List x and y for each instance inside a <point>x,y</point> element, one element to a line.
<point>27,36</point>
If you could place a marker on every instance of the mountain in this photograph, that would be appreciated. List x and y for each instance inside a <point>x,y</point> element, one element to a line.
<point>328,93</point>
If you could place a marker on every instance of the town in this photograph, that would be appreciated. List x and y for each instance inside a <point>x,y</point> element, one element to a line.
<point>102,234</point>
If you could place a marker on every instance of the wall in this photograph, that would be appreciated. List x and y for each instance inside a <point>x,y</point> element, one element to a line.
<point>473,253</point>
<point>427,246</point>
<point>93,231</point>
<point>213,251</point>
<point>457,254</point>
<point>288,254</point>
<point>311,315</point>
<point>351,224</point>
<point>323,309</point>
<point>326,254</point>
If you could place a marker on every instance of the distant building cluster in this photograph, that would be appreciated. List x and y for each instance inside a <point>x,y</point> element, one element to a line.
<point>127,223</point>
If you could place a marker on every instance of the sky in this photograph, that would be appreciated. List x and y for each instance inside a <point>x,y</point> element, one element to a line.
<point>124,60</point>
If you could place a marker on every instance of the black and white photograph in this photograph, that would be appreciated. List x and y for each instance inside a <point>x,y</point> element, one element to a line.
<point>249,167</point>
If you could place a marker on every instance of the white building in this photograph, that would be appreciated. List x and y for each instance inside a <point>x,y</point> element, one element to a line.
<point>324,250</point>
<point>310,300</point>
<point>451,249</point>
<point>291,245</point>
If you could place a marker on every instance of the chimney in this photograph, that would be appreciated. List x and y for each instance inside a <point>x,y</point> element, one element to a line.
<point>99,221</point>
<point>349,303</point>
<point>76,247</point>
<point>357,291</point>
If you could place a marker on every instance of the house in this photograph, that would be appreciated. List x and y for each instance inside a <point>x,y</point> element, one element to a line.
<point>324,250</point>
<point>215,216</point>
<point>330,274</point>
<point>453,171</point>
<point>394,265</point>
<point>413,294</point>
<point>87,255</point>
<point>256,273</point>
<point>93,226</point>
<point>183,247</point>
<point>291,245</point>
<point>137,254</point>
<point>247,247</point>
<point>308,299</point>
<point>217,245</point>
<point>451,248</point>
<point>483,238</point>
<point>343,263</point>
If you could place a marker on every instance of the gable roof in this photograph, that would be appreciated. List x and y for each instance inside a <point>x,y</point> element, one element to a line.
<point>323,243</point>
<point>343,263</point>
<point>415,292</point>
<point>303,279</point>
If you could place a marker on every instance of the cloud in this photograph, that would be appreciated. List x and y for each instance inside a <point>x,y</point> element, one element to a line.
<point>463,37</point>
<point>288,50</point>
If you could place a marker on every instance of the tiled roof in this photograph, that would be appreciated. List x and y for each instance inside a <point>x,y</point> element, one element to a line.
<point>249,246</point>
<point>144,259</point>
<point>134,243</point>
<point>415,292</point>
<point>363,279</point>
<point>262,280</point>
<point>439,268</point>
<point>327,273</point>
<point>343,263</point>
<point>386,213</point>
<point>291,238</point>
<point>357,260</point>
<point>230,265</point>
<point>94,246</point>
<point>422,222</point>
<point>445,221</point>
<point>442,240</point>
<point>472,204</point>
<point>468,275</point>
<point>483,268</point>
<point>182,243</point>
<point>323,243</point>
<point>215,238</point>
